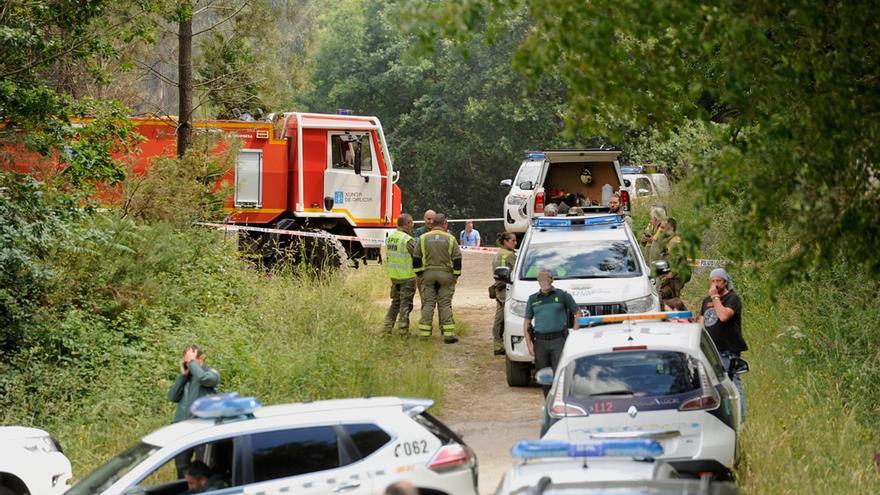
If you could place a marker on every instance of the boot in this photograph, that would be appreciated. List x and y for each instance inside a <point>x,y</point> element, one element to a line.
<point>451,339</point>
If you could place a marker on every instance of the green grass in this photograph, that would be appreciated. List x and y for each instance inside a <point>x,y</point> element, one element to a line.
<point>102,355</point>
<point>813,417</point>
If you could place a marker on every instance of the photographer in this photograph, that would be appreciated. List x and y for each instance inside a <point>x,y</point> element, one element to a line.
<point>194,381</point>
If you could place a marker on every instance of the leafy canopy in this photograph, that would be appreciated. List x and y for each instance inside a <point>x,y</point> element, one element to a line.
<point>794,82</point>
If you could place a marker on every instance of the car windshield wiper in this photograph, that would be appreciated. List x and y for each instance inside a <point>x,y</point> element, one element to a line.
<point>614,392</point>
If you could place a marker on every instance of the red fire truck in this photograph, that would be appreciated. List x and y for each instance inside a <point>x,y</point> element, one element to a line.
<point>308,173</point>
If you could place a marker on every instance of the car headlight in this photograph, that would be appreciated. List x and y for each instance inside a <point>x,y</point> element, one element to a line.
<point>515,200</point>
<point>40,444</point>
<point>518,308</point>
<point>640,304</point>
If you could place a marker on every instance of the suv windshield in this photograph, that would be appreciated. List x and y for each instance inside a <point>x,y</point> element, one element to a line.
<point>100,479</point>
<point>581,259</point>
<point>632,374</point>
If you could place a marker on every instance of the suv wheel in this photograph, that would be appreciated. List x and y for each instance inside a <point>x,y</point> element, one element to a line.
<point>518,374</point>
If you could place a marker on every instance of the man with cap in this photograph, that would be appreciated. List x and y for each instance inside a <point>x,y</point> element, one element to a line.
<point>437,262</point>
<point>721,314</point>
<point>551,308</point>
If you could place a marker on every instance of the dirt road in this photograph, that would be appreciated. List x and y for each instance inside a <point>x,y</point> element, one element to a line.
<point>479,405</point>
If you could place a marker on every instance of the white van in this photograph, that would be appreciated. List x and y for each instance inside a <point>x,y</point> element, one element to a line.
<point>555,176</point>
<point>595,258</point>
<point>641,185</point>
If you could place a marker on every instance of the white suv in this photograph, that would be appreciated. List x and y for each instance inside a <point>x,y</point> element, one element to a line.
<point>351,446</point>
<point>595,258</point>
<point>31,462</point>
<point>647,379</point>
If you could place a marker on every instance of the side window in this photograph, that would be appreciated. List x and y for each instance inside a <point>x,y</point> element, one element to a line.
<point>344,151</point>
<point>643,187</point>
<point>216,474</point>
<point>368,438</point>
<point>711,354</point>
<point>278,454</point>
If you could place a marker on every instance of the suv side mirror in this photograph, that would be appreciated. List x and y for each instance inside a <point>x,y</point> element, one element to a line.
<point>626,182</point>
<point>507,183</point>
<point>502,274</point>
<point>738,366</point>
<point>661,267</point>
<point>544,376</point>
<point>527,185</point>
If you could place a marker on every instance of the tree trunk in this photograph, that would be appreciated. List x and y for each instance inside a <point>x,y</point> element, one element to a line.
<point>185,86</point>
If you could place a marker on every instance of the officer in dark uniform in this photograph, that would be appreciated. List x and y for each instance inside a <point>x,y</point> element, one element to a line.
<point>551,309</point>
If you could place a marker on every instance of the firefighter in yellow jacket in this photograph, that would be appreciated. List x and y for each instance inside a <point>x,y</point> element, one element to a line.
<point>437,262</point>
<point>399,247</point>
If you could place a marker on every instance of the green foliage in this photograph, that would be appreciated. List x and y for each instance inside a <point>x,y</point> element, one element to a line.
<point>793,81</point>
<point>227,73</point>
<point>119,300</point>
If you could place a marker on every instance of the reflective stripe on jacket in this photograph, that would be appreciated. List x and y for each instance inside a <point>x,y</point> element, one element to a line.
<point>398,250</point>
<point>438,249</point>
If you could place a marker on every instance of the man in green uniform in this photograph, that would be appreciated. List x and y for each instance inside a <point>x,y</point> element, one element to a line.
<point>437,261</point>
<point>550,307</point>
<point>427,226</point>
<point>399,248</point>
<point>657,216</point>
<point>194,381</point>
<point>505,257</point>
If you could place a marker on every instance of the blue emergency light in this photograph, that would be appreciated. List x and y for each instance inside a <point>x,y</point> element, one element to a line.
<point>535,156</point>
<point>229,405</point>
<point>589,221</point>
<point>541,449</point>
<point>606,319</point>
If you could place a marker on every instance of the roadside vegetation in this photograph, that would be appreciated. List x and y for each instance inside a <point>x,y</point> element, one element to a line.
<point>97,309</point>
<point>813,420</point>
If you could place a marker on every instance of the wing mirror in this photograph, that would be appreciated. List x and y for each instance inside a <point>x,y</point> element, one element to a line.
<point>502,274</point>
<point>507,183</point>
<point>661,267</point>
<point>527,185</point>
<point>544,376</point>
<point>738,366</point>
<point>626,182</point>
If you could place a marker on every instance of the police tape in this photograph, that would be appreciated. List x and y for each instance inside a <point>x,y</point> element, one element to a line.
<point>499,219</point>
<point>701,263</point>
<point>300,233</point>
<point>474,249</point>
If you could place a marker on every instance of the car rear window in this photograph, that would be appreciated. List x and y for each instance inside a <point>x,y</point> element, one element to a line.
<point>581,259</point>
<point>632,374</point>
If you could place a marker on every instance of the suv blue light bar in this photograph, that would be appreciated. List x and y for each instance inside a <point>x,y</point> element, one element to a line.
<point>589,221</point>
<point>536,156</point>
<point>541,449</point>
<point>229,405</point>
<point>606,319</point>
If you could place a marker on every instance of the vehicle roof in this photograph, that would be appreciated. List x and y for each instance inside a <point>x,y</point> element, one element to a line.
<point>654,334</point>
<point>578,155</point>
<point>287,414</point>
<point>578,232</point>
<point>14,432</point>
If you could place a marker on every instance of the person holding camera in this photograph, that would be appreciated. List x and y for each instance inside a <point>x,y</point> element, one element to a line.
<point>194,381</point>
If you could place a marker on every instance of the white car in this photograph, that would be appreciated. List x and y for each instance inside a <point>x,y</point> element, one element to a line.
<point>556,176</point>
<point>595,258</point>
<point>641,185</point>
<point>646,378</point>
<point>350,446</point>
<point>31,462</point>
<point>569,467</point>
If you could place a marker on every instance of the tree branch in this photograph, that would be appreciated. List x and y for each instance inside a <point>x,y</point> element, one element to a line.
<point>243,5</point>
<point>157,73</point>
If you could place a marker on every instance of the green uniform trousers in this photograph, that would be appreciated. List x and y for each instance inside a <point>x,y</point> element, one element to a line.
<point>438,287</point>
<point>402,293</point>
<point>498,326</point>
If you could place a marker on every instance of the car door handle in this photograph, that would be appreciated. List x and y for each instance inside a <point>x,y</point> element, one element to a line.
<point>638,434</point>
<point>348,485</point>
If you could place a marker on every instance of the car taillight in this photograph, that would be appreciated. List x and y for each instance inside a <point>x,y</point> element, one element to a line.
<point>561,409</point>
<point>451,457</point>
<point>708,398</point>
<point>539,202</point>
<point>624,198</point>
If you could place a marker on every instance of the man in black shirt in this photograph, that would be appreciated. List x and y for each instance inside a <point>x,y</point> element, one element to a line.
<point>721,314</point>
